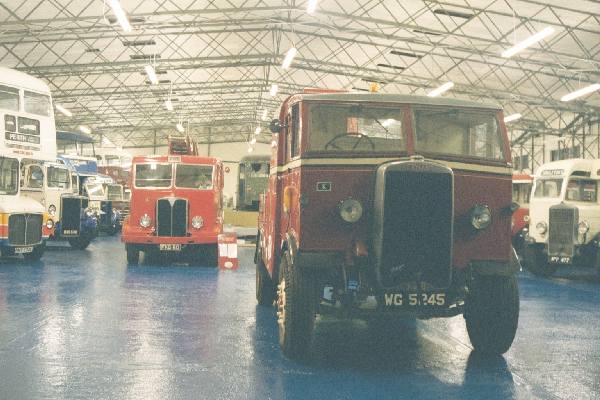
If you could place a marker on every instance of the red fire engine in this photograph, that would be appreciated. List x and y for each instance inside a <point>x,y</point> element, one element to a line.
<point>176,207</point>
<point>520,220</point>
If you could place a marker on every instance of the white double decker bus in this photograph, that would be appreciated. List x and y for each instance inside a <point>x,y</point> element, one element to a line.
<point>27,131</point>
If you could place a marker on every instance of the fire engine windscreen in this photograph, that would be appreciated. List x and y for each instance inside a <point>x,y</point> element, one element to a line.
<point>458,132</point>
<point>356,128</point>
<point>547,188</point>
<point>9,175</point>
<point>153,175</point>
<point>192,176</point>
<point>58,178</point>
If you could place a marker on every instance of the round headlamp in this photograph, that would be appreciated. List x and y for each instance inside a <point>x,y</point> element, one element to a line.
<point>481,217</point>
<point>145,221</point>
<point>541,227</point>
<point>52,210</point>
<point>49,224</point>
<point>583,227</point>
<point>350,210</point>
<point>197,222</point>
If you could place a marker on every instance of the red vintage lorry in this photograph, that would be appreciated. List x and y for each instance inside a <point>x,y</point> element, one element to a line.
<point>176,208</point>
<point>388,205</point>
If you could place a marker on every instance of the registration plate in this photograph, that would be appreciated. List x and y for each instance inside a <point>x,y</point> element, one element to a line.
<point>414,299</point>
<point>170,246</point>
<point>23,250</point>
<point>559,260</point>
<point>70,232</point>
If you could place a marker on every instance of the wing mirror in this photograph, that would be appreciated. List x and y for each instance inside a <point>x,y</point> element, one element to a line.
<point>275,126</point>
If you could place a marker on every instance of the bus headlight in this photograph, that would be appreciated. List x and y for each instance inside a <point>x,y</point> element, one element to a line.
<point>52,210</point>
<point>541,227</point>
<point>583,227</point>
<point>197,222</point>
<point>145,221</point>
<point>350,210</point>
<point>49,224</point>
<point>481,217</point>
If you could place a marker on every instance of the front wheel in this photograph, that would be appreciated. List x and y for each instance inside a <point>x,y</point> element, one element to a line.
<point>36,254</point>
<point>492,313</point>
<point>265,290</point>
<point>296,308</point>
<point>536,262</point>
<point>133,254</point>
<point>79,243</point>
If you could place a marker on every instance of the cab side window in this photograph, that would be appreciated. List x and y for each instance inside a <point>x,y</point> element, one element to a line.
<point>295,131</point>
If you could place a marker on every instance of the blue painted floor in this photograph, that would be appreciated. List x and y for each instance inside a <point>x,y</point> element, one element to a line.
<point>81,324</point>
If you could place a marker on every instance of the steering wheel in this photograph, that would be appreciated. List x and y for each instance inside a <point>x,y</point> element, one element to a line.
<point>331,143</point>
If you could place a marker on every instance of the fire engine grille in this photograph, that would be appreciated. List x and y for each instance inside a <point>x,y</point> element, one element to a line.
<point>24,229</point>
<point>415,228</point>
<point>171,217</point>
<point>562,229</point>
<point>70,215</point>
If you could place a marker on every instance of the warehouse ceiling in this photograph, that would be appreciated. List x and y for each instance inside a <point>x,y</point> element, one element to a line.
<point>218,59</point>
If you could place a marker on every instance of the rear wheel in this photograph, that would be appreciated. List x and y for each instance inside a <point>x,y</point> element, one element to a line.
<point>79,243</point>
<point>296,308</point>
<point>133,254</point>
<point>492,313</point>
<point>36,254</point>
<point>536,262</point>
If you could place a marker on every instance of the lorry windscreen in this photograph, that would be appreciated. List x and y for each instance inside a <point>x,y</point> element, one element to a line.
<point>458,132</point>
<point>9,175</point>
<point>115,192</point>
<point>521,192</point>
<point>357,128</point>
<point>58,178</point>
<point>192,176</point>
<point>153,175</point>
<point>582,190</point>
<point>547,188</point>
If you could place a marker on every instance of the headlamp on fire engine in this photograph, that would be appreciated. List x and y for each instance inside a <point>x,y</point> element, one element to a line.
<point>197,222</point>
<point>583,227</point>
<point>481,217</point>
<point>52,210</point>
<point>145,221</point>
<point>541,227</point>
<point>350,210</point>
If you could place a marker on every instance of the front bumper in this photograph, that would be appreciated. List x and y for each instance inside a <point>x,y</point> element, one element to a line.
<point>156,240</point>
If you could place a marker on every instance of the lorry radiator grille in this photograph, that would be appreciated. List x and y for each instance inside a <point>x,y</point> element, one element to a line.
<point>24,229</point>
<point>562,230</point>
<point>171,217</point>
<point>414,224</point>
<point>70,215</point>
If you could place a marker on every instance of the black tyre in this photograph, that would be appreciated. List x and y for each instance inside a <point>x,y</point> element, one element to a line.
<point>36,254</point>
<point>265,289</point>
<point>492,313</point>
<point>133,254</point>
<point>296,309</point>
<point>536,262</point>
<point>79,243</point>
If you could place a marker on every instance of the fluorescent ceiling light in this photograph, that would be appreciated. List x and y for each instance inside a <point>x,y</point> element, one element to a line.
<point>388,122</point>
<point>265,114</point>
<point>445,87</point>
<point>512,117</point>
<point>63,110</point>
<point>85,129</point>
<point>250,149</point>
<point>580,92</point>
<point>179,127</point>
<point>528,42</point>
<point>274,89</point>
<point>289,57</point>
<point>120,14</point>
<point>169,104</point>
<point>258,130</point>
<point>151,74</point>
<point>312,6</point>
<point>253,141</point>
